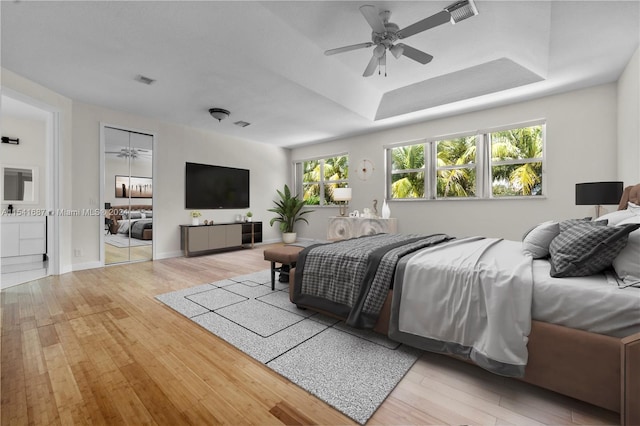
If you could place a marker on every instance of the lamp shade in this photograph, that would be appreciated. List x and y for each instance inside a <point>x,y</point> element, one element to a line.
<point>596,193</point>
<point>342,194</point>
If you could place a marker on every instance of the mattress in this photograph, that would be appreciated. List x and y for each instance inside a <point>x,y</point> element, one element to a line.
<point>594,303</point>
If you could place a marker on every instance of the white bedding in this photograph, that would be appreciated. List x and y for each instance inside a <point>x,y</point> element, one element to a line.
<point>124,224</point>
<point>593,303</point>
<point>471,297</point>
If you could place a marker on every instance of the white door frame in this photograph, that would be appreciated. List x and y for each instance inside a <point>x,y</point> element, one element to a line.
<point>53,176</point>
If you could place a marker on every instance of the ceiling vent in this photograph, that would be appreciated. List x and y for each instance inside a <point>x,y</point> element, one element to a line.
<point>144,80</point>
<point>461,10</point>
<point>241,123</point>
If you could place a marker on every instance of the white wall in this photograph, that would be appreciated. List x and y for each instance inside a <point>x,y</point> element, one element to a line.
<point>629,122</point>
<point>31,152</point>
<point>174,145</point>
<point>580,147</point>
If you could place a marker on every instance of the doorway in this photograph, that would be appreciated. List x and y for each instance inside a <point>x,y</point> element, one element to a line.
<point>28,229</point>
<point>127,232</point>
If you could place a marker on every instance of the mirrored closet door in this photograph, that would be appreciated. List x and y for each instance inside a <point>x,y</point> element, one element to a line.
<point>128,196</point>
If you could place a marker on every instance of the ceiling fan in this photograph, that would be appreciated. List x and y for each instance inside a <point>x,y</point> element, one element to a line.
<point>386,33</point>
<point>129,152</point>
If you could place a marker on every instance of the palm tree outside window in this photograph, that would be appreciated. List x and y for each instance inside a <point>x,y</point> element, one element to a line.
<point>319,177</point>
<point>500,163</point>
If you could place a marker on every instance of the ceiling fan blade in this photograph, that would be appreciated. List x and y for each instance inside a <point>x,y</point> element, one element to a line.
<point>348,48</point>
<point>373,64</point>
<point>372,16</point>
<point>439,18</point>
<point>415,54</point>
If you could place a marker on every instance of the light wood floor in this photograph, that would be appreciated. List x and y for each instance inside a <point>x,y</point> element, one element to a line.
<point>95,347</point>
<point>113,254</point>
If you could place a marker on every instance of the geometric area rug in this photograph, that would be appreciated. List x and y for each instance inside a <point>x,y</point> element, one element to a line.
<point>350,369</point>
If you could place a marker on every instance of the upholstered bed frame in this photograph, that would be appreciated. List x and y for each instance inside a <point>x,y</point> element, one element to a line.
<point>598,369</point>
<point>113,213</point>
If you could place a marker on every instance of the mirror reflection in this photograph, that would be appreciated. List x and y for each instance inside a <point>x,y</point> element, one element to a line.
<point>18,184</point>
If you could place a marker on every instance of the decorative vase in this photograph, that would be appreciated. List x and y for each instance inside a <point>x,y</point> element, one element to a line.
<point>288,237</point>
<point>195,221</point>
<point>386,211</point>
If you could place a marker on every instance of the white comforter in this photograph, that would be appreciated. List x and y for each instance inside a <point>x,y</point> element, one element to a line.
<point>471,297</point>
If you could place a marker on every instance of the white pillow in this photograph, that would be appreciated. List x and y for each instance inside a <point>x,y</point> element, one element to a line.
<point>536,242</point>
<point>627,263</point>
<point>633,208</point>
<point>616,217</point>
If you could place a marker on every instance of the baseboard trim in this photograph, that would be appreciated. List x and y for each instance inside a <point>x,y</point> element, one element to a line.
<point>83,266</point>
<point>168,255</point>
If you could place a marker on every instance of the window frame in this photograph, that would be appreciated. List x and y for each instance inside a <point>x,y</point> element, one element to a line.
<point>483,164</point>
<point>299,176</point>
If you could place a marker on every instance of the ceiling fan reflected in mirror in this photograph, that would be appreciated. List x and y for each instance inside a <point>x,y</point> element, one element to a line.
<point>130,152</point>
<point>386,33</point>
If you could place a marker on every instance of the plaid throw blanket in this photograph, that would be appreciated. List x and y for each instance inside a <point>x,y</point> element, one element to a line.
<point>352,278</point>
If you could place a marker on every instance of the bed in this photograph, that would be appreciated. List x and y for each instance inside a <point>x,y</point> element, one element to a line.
<point>134,220</point>
<point>576,335</point>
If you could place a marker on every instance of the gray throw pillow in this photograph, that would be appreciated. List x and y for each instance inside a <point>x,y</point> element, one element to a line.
<point>586,248</point>
<point>536,242</point>
<point>135,215</point>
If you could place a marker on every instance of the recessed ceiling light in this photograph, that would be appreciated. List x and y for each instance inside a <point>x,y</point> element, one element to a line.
<point>241,123</point>
<point>145,80</point>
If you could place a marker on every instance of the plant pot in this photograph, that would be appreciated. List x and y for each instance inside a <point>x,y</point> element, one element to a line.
<point>195,221</point>
<point>249,219</point>
<point>288,237</point>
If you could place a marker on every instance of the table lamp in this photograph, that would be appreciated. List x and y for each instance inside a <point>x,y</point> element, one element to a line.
<point>598,193</point>
<point>342,196</point>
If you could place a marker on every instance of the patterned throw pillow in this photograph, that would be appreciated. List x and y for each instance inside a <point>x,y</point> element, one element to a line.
<point>566,224</point>
<point>586,249</point>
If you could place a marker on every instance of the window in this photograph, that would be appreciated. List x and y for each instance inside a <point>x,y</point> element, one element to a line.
<point>456,167</point>
<point>508,160</point>
<point>516,161</point>
<point>316,178</point>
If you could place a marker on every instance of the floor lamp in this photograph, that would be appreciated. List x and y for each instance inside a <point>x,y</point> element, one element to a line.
<point>598,193</point>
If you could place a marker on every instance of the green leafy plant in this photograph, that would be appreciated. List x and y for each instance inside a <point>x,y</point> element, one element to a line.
<point>249,214</point>
<point>195,213</point>
<point>288,209</point>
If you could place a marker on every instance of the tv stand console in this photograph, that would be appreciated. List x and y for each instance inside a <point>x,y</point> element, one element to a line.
<point>204,239</point>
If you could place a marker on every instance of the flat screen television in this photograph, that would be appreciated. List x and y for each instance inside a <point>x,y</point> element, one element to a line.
<point>216,187</point>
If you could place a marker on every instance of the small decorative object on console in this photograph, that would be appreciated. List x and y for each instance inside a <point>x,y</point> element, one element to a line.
<point>386,211</point>
<point>195,214</point>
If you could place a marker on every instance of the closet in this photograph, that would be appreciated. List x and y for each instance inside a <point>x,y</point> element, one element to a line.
<point>128,195</point>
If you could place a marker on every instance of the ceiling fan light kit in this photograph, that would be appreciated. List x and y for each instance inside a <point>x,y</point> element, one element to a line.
<point>386,33</point>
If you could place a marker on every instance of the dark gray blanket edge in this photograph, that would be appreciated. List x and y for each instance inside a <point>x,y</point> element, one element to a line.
<point>356,316</point>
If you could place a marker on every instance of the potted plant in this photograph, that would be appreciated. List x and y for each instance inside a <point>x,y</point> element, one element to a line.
<point>249,216</point>
<point>195,214</point>
<point>289,211</point>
